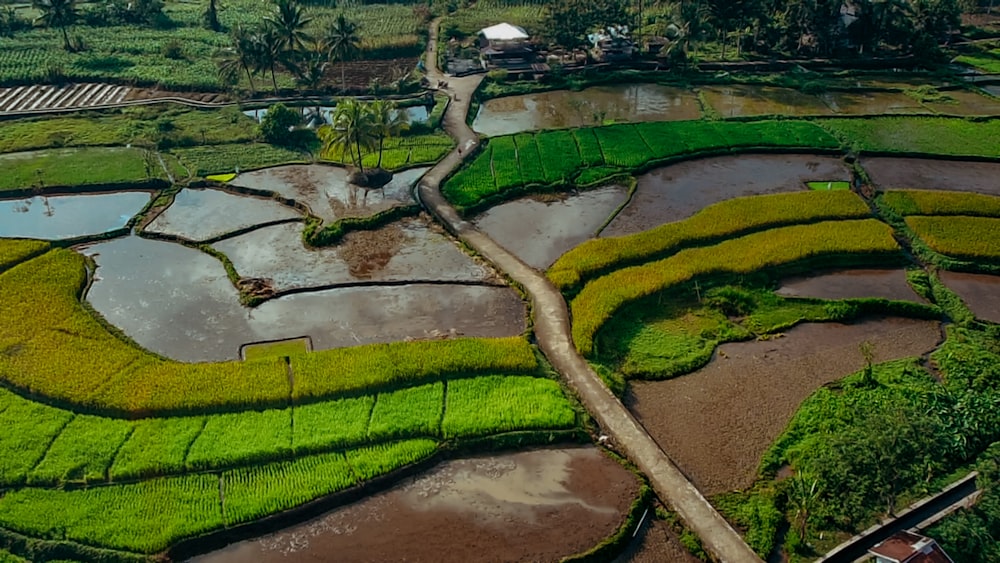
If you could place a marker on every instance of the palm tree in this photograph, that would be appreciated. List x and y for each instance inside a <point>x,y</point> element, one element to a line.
<point>57,13</point>
<point>244,56</point>
<point>352,131</point>
<point>387,121</point>
<point>289,22</point>
<point>270,52</point>
<point>310,66</point>
<point>344,43</point>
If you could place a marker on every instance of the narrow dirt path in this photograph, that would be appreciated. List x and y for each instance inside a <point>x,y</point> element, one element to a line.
<point>552,329</point>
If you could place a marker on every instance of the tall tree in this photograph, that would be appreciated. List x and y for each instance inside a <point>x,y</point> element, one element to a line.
<point>568,21</point>
<point>352,131</point>
<point>289,22</point>
<point>387,121</point>
<point>243,56</point>
<point>310,66</point>
<point>211,16</point>
<point>58,13</point>
<point>344,42</point>
<point>270,51</point>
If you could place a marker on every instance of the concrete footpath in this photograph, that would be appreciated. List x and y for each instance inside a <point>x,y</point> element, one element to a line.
<point>552,329</point>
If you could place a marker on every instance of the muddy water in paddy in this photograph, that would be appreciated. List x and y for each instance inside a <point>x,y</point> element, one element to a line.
<point>326,191</point>
<point>412,249</point>
<point>539,231</point>
<point>929,174</point>
<point>981,292</point>
<point>851,284</point>
<point>676,192</point>
<point>717,422</point>
<point>178,302</point>
<point>512,507</point>
<point>199,215</point>
<point>68,216</point>
<point>872,103</point>
<point>739,99</point>
<point>562,108</point>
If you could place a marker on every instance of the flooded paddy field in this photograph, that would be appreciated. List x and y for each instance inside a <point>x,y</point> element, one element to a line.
<point>930,174</point>
<point>981,292</point>
<point>411,249</point>
<point>716,422</point>
<point>740,100</point>
<point>560,109</point>
<point>324,189</point>
<point>68,216</point>
<point>178,302</point>
<point>203,214</point>
<point>851,284</point>
<point>872,103</point>
<point>540,229</point>
<point>539,505</point>
<point>676,192</point>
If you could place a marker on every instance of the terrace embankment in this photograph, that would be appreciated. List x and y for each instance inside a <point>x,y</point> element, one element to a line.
<point>676,192</point>
<point>981,292</point>
<point>510,507</point>
<point>933,174</point>
<point>717,422</point>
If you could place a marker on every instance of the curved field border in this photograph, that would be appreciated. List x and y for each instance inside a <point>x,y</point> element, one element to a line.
<point>855,241</point>
<point>55,349</point>
<point>715,223</point>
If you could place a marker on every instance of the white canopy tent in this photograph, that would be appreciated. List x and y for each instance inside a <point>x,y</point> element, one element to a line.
<point>503,32</point>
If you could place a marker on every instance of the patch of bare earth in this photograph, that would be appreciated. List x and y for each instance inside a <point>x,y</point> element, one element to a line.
<point>656,542</point>
<point>367,252</point>
<point>930,174</point>
<point>716,423</point>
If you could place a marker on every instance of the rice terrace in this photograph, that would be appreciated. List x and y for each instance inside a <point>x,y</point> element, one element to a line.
<point>499,280</point>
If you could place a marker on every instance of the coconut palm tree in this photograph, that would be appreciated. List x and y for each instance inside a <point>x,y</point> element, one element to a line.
<point>387,121</point>
<point>243,56</point>
<point>344,43</point>
<point>289,22</point>
<point>352,131</point>
<point>270,51</point>
<point>57,13</point>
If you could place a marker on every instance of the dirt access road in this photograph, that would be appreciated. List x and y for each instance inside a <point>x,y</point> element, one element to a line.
<point>552,329</point>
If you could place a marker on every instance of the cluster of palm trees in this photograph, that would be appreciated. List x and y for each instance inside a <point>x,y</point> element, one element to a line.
<point>282,40</point>
<point>362,126</point>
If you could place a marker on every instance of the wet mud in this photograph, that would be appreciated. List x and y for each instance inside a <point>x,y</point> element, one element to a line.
<point>676,192</point>
<point>717,422</point>
<point>981,292</point>
<point>928,174</point>
<point>531,506</point>
<point>539,230</point>
<point>852,284</point>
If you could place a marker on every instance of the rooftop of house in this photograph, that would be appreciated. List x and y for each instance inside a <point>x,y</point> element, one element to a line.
<point>907,547</point>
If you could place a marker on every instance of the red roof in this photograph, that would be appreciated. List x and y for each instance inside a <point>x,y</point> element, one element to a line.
<point>907,547</point>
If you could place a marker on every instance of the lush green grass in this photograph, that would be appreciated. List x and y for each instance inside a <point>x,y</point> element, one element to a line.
<point>970,238</point>
<point>931,135</point>
<point>987,61</point>
<point>204,160</point>
<point>469,20</point>
<point>940,202</point>
<point>15,251</point>
<point>828,186</point>
<point>169,123</point>
<point>76,167</point>
<point>401,152</point>
<point>276,349</point>
<point>724,219</point>
<point>601,298</point>
<point>590,155</point>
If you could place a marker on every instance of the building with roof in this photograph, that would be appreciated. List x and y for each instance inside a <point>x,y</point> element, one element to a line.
<point>505,46</point>
<point>908,547</point>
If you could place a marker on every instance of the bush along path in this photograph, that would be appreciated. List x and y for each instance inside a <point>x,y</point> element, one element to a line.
<point>552,329</point>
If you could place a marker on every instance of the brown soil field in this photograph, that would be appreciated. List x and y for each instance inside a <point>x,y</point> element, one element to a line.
<point>540,505</point>
<point>851,284</point>
<point>929,174</point>
<point>981,292</point>
<point>717,422</point>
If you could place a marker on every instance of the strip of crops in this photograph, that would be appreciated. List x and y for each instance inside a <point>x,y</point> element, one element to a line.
<point>930,135</point>
<point>157,446</point>
<point>64,353</point>
<point>234,157</point>
<point>224,440</point>
<point>82,452</point>
<point>492,404</point>
<point>723,219</point>
<point>973,238</point>
<point>604,296</point>
<point>591,155</point>
<point>528,160</point>
<point>331,424</point>
<point>940,202</point>
<point>28,429</point>
<point>15,251</point>
<point>332,372</point>
<point>74,167</point>
<point>468,21</point>
<point>368,463</point>
<point>407,412</point>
